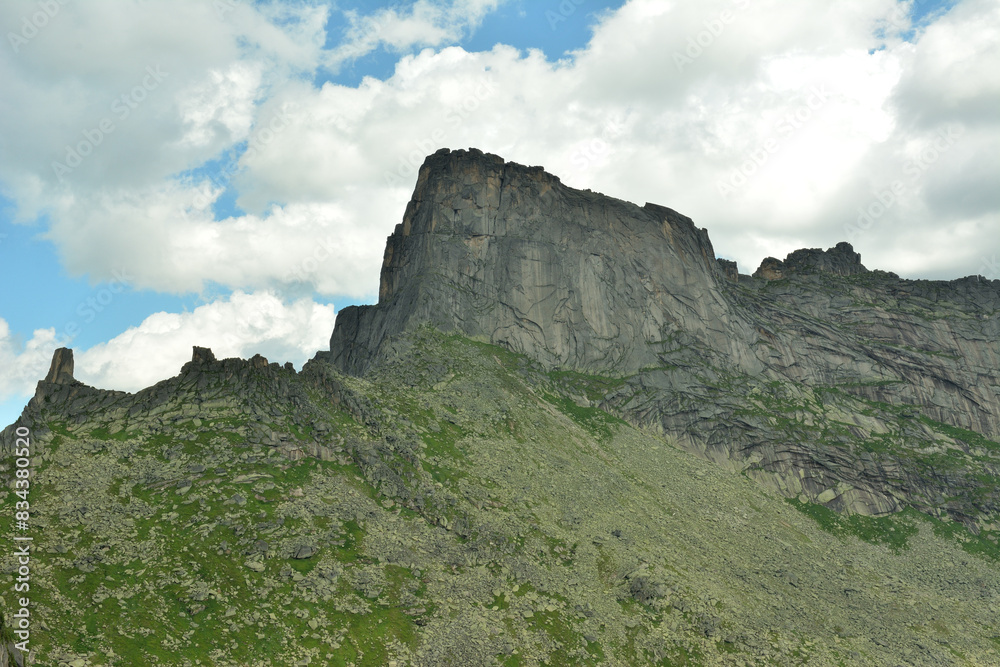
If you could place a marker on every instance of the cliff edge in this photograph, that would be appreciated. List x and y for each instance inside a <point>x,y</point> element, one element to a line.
<point>507,254</point>
<point>585,283</point>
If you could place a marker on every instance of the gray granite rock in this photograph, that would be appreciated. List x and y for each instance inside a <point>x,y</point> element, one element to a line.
<point>61,369</point>
<point>578,281</point>
<point>840,260</point>
<point>574,279</point>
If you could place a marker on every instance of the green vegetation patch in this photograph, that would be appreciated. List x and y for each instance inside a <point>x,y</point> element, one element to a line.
<point>970,438</point>
<point>596,421</point>
<point>683,655</point>
<point>102,433</point>
<point>984,544</point>
<point>565,637</point>
<point>594,387</point>
<point>893,531</point>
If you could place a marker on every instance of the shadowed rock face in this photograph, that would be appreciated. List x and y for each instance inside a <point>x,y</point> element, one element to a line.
<point>61,368</point>
<point>583,282</point>
<point>574,279</point>
<point>202,355</point>
<point>840,260</point>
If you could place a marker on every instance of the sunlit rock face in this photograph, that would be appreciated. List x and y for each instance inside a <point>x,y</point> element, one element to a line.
<point>574,279</point>
<point>582,282</point>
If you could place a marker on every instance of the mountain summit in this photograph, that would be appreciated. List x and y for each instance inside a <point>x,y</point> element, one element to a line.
<point>507,253</point>
<point>581,282</point>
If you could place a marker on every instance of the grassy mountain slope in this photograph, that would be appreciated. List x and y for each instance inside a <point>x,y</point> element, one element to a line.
<point>457,506</point>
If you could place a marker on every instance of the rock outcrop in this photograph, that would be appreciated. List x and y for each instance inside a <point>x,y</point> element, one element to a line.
<point>841,260</point>
<point>202,355</point>
<point>506,253</point>
<point>61,368</point>
<point>585,283</point>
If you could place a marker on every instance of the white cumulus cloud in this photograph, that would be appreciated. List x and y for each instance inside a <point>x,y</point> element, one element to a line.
<point>774,125</point>
<point>24,363</point>
<point>241,325</point>
<point>424,23</point>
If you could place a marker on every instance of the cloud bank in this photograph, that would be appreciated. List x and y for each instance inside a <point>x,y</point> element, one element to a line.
<point>238,326</point>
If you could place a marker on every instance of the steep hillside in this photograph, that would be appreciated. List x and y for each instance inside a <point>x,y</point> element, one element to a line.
<point>852,387</point>
<point>456,506</point>
<point>566,434</point>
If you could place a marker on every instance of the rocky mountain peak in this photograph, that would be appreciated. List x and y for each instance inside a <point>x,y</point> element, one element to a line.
<point>61,368</point>
<point>202,355</point>
<point>581,282</point>
<point>545,493</point>
<point>840,260</point>
<point>507,253</point>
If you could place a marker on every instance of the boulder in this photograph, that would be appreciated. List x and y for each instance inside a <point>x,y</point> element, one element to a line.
<point>304,551</point>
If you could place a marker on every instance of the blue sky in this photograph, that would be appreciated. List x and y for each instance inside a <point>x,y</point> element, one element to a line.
<point>251,164</point>
<point>53,298</point>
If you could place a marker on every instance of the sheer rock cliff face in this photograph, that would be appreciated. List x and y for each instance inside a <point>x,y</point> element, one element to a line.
<point>583,282</point>
<point>61,368</point>
<point>574,279</point>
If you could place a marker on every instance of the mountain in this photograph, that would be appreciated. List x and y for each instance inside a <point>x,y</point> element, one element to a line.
<point>757,371</point>
<point>566,434</point>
